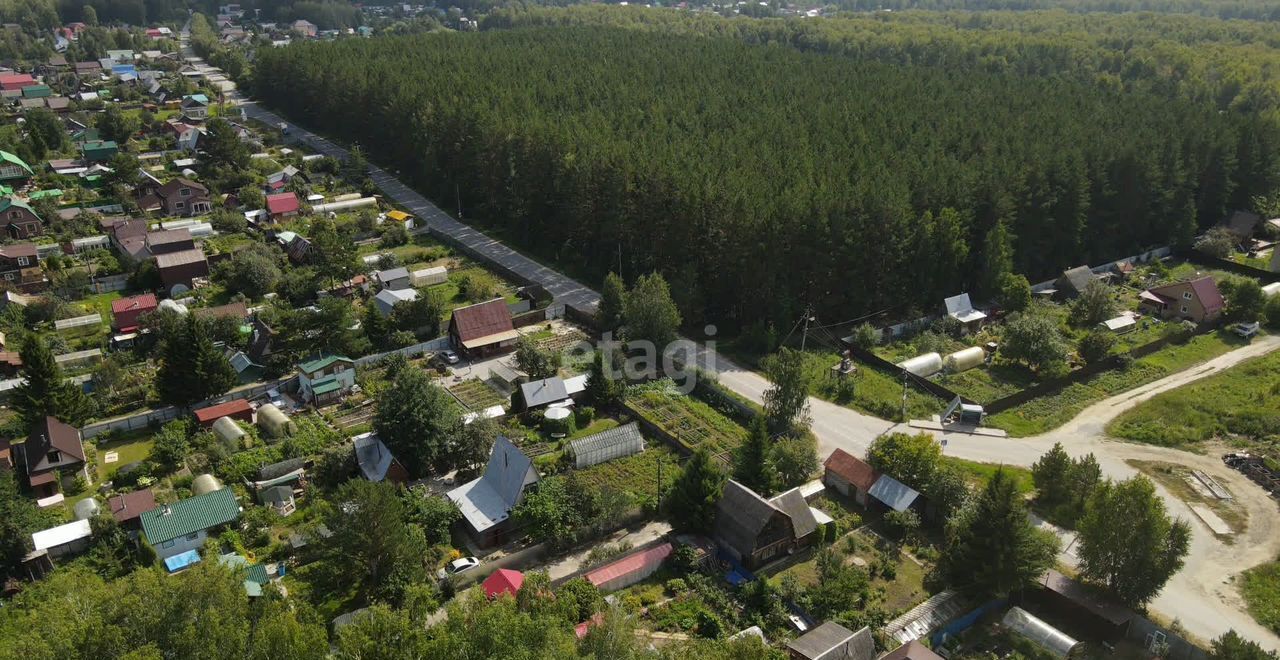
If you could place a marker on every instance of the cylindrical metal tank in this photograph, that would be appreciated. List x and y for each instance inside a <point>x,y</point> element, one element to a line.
<point>923,365</point>
<point>965,359</point>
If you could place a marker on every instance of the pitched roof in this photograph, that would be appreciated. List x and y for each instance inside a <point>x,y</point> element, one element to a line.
<point>210,414</point>
<point>191,515</point>
<point>61,535</point>
<point>852,469</point>
<point>542,392</point>
<point>49,435</point>
<point>503,581</point>
<point>285,202</point>
<point>169,236</point>
<point>14,160</point>
<point>487,501</point>
<point>912,650</point>
<point>235,310</point>
<point>174,185</point>
<point>741,514</point>
<point>792,503</point>
<point>636,561</point>
<point>372,456</point>
<point>482,320</point>
<point>317,364</point>
<point>1204,288</point>
<point>832,641</point>
<point>18,250</point>
<point>893,493</point>
<point>145,301</point>
<point>9,202</point>
<point>1077,278</point>
<point>131,505</point>
<point>392,274</point>
<point>182,258</point>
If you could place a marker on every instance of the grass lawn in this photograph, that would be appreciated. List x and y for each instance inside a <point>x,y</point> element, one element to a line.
<point>1260,587</point>
<point>874,392</point>
<point>1241,401</point>
<point>977,474</point>
<point>1175,478</point>
<point>99,303</point>
<point>1053,410</point>
<point>599,425</point>
<point>635,475</point>
<point>130,449</point>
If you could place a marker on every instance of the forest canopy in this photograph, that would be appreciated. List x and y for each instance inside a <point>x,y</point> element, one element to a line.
<point>850,183</point>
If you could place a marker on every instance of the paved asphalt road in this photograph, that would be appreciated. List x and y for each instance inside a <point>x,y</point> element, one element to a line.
<point>1199,596</point>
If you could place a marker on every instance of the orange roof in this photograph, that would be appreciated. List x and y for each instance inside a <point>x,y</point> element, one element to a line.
<point>212,413</point>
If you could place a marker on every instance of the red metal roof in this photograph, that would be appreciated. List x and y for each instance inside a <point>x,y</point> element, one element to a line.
<point>212,413</point>
<point>16,81</point>
<point>144,302</point>
<point>629,564</point>
<point>503,581</point>
<point>852,469</point>
<point>482,320</point>
<point>131,505</point>
<point>282,203</point>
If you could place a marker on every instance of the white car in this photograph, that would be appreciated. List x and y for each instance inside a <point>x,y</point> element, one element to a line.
<point>458,566</point>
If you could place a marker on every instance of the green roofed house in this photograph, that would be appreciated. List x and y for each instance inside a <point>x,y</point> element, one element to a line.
<point>13,168</point>
<point>172,529</point>
<point>36,92</point>
<point>255,577</point>
<point>97,151</point>
<point>19,219</point>
<point>327,379</point>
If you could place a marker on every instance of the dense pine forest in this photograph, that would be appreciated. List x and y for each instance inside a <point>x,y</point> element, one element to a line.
<point>857,179</point>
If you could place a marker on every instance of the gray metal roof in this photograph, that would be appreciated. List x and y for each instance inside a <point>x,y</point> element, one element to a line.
<point>893,493</point>
<point>506,470</point>
<point>373,457</point>
<point>543,392</point>
<point>392,274</point>
<point>832,641</point>
<point>792,503</point>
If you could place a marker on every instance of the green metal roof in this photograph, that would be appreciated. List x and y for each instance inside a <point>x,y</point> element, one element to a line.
<point>326,385</point>
<point>8,202</point>
<point>190,515</point>
<point>10,158</point>
<point>100,144</point>
<point>322,363</point>
<point>41,194</point>
<point>36,91</point>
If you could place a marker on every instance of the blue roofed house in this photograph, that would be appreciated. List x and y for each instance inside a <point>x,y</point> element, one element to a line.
<point>486,502</point>
<point>172,529</point>
<point>327,379</point>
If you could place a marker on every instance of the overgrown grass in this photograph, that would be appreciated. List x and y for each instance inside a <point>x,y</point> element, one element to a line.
<point>1260,587</point>
<point>477,394</point>
<point>1053,410</point>
<point>874,392</point>
<point>1241,401</point>
<point>635,475</point>
<point>692,421</point>
<point>978,474</point>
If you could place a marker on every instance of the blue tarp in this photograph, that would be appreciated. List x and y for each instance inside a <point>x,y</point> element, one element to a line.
<point>737,574</point>
<point>965,622</point>
<point>121,69</point>
<point>181,561</point>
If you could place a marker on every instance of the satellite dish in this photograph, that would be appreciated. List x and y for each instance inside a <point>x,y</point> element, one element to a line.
<point>178,289</point>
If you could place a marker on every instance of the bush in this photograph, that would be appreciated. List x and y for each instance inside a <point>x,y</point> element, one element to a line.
<point>676,586</point>
<point>1096,345</point>
<point>1272,311</point>
<point>584,416</point>
<point>902,525</point>
<point>865,336</point>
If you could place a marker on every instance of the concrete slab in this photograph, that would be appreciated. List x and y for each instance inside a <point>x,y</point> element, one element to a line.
<point>969,429</point>
<point>1211,520</point>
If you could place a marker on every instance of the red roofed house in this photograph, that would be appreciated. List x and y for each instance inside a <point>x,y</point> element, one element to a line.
<point>128,507</point>
<point>483,329</point>
<point>849,475</point>
<point>1197,300</point>
<point>125,312</point>
<point>282,205</point>
<point>53,449</point>
<point>503,581</point>
<point>238,409</point>
<point>16,81</point>
<point>630,569</point>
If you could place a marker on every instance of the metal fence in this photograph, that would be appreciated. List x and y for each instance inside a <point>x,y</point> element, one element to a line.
<point>437,344</point>
<point>170,413</point>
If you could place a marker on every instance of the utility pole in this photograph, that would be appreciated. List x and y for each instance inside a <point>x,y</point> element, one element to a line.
<point>457,194</point>
<point>804,335</point>
<point>904,395</point>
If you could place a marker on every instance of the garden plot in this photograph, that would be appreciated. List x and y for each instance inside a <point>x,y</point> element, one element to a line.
<point>477,394</point>
<point>692,422</point>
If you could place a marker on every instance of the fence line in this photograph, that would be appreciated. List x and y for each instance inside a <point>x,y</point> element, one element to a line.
<point>170,413</point>
<point>1266,276</point>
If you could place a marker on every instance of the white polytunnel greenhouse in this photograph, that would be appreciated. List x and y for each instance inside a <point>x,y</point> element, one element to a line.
<point>923,365</point>
<point>1046,636</point>
<point>965,359</point>
<point>615,443</point>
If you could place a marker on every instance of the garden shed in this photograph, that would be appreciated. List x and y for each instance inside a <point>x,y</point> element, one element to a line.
<point>615,443</point>
<point>1119,325</point>
<point>274,422</point>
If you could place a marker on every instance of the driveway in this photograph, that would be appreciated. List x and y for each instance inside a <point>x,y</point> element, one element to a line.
<point>1199,596</point>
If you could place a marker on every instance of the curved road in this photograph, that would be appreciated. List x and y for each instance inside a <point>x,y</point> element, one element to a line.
<point>1200,596</point>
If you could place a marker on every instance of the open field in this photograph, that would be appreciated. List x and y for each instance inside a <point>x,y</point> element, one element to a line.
<point>1242,402</point>
<point>1175,479</point>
